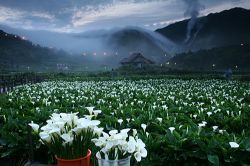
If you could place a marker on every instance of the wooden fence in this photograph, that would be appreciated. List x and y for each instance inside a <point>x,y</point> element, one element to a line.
<point>9,81</point>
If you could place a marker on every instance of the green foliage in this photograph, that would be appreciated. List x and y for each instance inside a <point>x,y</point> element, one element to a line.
<point>182,104</point>
<point>235,57</point>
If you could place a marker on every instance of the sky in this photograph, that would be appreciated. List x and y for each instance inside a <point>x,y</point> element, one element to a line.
<point>73,16</point>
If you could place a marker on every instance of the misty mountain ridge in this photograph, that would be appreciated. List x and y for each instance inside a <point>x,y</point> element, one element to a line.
<point>17,53</point>
<point>109,47</point>
<point>214,30</point>
<point>229,27</point>
<point>99,40</point>
<point>150,44</point>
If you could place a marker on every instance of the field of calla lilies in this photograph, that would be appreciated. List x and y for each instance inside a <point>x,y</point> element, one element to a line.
<point>181,122</point>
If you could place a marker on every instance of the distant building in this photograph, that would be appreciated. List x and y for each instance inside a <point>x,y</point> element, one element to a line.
<point>62,67</point>
<point>136,59</point>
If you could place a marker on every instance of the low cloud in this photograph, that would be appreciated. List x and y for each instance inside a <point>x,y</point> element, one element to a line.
<point>24,19</point>
<point>79,15</point>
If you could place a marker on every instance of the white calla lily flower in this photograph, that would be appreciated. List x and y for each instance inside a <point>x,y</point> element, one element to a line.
<point>45,137</point>
<point>171,129</point>
<point>68,138</point>
<point>234,144</point>
<point>113,132</point>
<point>90,109</point>
<point>34,126</point>
<point>144,126</point>
<point>159,119</point>
<point>120,121</point>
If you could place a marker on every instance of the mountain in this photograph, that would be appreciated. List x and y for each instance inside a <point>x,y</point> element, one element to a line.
<point>127,40</point>
<point>229,27</point>
<point>100,48</point>
<point>134,39</point>
<point>236,57</point>
<point>65,41</point>
<point>121,40</point>
<point>108,47</point>
<point>17,53</point>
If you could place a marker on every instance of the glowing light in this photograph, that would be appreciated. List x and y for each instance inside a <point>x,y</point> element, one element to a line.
<point>104,53</point>
<point>167,63</point>
<point>94,53</point>
<point>155,24</point>
<point>214,65</point>
<point>242,44</point>
<point>24,38</point>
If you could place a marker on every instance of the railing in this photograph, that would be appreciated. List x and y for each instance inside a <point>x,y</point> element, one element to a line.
<point>9,81</point>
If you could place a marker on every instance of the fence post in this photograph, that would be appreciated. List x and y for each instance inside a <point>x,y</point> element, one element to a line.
<point>31,152</point>
<point>9,82</point>
<point>1,86</point>
<point>12,84</point>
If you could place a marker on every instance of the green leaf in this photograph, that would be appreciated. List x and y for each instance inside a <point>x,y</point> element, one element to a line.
<point>2,142</point>
<point>246,144</point>
<point>214,159</point>
<point>7,153</point>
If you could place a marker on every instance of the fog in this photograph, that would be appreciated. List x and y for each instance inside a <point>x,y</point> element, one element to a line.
<point>103,45</point>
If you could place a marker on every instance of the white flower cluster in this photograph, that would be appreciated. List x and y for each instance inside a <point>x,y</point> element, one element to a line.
<point>66,125</point>
<point>120,143</point>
